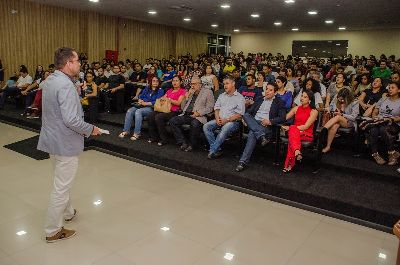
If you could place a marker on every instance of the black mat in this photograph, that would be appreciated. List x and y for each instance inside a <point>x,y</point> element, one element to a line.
<point>27,147</point>
<point>353,189</point>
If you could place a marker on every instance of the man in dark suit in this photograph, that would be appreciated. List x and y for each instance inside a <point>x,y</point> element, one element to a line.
<point>265,112</point>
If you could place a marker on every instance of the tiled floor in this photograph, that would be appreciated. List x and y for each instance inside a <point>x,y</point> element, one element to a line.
<point>205,222</point>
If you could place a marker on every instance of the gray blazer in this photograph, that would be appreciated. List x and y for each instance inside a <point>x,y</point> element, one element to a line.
<point>63,128</point>
<point>204,104</point>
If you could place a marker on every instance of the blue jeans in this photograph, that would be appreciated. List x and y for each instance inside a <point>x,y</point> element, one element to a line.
<point>138,114</point>
<point>226,130</point>
<point>256,130</point>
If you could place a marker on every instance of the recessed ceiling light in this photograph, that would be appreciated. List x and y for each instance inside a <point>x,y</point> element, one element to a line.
<point>312,12</point>
<point>187,19</point>
<point>21,233</point>
<point>329,21</point>
<point>229,256</point>
<point>152,12</point>
<point>165,228</point>
<point>225,6</point>
<point>277,23</point>
<point>236,30</point>
<point>342,28</point>
<point>94,1</point>
<point>255,15</point>
<point>295,29</point>
<point>289,1</point>
<point>214,25</point>
<point>337,44</point>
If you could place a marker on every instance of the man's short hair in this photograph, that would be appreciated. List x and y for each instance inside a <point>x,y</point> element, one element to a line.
<point>275,85</point>
<point>197,79</point>
<point>251,75</point>
<point>62,56</point>
<point>229,77</point>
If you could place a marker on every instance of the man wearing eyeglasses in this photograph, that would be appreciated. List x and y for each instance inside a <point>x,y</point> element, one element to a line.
<point>62,136</point>
<point>199,101</point>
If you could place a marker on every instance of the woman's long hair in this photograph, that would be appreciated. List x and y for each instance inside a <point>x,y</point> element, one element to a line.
<point>347,95</point>
<point>311,96</point>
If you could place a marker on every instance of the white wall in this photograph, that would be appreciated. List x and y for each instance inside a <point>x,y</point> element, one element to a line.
<point>360,42</point>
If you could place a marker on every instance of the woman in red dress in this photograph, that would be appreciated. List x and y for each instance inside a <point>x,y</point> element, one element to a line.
<point>302,130</point>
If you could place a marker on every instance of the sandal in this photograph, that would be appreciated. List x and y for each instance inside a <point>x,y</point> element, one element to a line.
<point>122,135</point>
<point>287,170</point>
<point>299,157</point>
<point>135,137</point>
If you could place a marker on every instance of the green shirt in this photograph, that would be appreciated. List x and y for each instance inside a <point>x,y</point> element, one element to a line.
<point>385,74</point>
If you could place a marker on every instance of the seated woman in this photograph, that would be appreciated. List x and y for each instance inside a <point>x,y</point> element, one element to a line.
<point>89,94</point>
<point>292,79</point>
<point>363,85</point>
<point>283,94</point>
<point>312,85</point>
<point>209,80</point>
<point>369,97</point>
<point>345,109</point>
<point>385,125</point>
<point>334,88</point>
<point>302,130</point>
<point>260,82</point>
<point>34,111</point>
<point>142,108</point>
<point>158,120</point>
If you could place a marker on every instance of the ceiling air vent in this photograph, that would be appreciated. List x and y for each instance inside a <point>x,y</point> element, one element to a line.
<point>182,8</point>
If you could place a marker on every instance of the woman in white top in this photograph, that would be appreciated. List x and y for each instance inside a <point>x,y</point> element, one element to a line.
<point>313,85</point>
<point>209,80</point>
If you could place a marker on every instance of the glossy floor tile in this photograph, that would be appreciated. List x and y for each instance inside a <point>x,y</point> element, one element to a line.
<point>131,214</point>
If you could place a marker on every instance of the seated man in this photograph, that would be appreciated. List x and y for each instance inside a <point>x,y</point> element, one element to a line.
<point>100,80</point>
<point>114,88</point>
<point>229,108</point>
<point>250,92</point>
<point>265,112</point>
<point>199,101</point>
<point>137,77</point>
<point>167,77</point>
<point>23,82</point>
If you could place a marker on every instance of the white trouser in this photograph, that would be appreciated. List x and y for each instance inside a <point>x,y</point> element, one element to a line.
<point>60,205</point>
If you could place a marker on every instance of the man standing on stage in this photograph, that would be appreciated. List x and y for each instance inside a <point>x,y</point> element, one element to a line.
<point>62,136</point>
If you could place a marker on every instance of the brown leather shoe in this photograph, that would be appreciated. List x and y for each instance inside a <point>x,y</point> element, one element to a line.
<point>61,235</point>
<point>393,157</point>
<point>378,159</point>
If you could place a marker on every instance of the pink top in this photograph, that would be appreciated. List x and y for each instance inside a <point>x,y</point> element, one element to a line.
<point>175,95</point>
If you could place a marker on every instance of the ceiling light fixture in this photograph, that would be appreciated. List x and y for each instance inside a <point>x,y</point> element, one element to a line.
<point>214,25</point>
<point>337,44</point>
<point>342,28</point>
<point>255,15</point>
<point>289,1</point>
<point>329,21</point>
<point>312,12</point>
<point>187,19</point>
<point>165,229</point>
<point>225,6</point>
<point>236,30</point>
<point>295,29</point>
<point>278,23</point>
<point>98,202</point>
<point>382,255</point>
<point>152,12</point>
<point>94,1</point>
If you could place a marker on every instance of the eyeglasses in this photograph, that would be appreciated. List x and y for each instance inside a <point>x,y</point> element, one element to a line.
<point>73,61</point>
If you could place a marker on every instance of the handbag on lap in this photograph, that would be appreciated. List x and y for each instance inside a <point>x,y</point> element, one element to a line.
<point>162,105</point>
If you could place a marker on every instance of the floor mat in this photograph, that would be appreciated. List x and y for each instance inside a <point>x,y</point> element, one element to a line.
<point>27,147</point>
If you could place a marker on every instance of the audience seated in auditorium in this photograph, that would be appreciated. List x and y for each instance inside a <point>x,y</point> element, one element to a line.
<point>89,90</point>
<point>335,87</point>
<point>209,80</point>
<point>34,111</point>
<point>100,79</point>
<point>305,115</point>
<point>114,89</point>
<point>385,125</point>
<point>267,111</point>
<point>142,108</point>
<point>158,120</point>
<point>369,97</point>
<point>229,67</point>
<point>166,79</point>
<point>198,102</point>
<point>283,94</point>
<point>344,109</point>
<point>229,109</point>
<point>22,83</point>
<point>362,85</point>
<point>312,85</point>
<point>382,71</point>
<point>250,92</point>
